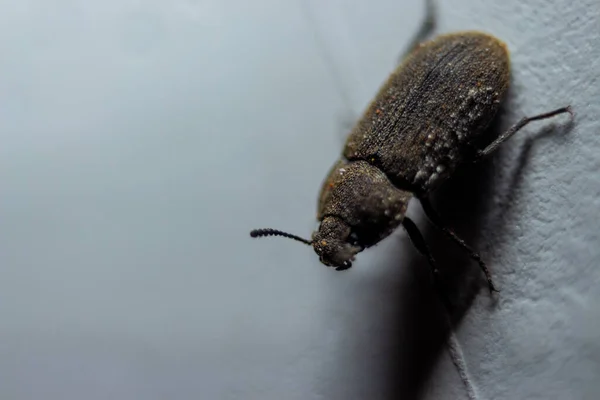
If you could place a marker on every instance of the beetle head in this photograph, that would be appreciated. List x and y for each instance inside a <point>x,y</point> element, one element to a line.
<point>335,244</point>
<point>358,207</point>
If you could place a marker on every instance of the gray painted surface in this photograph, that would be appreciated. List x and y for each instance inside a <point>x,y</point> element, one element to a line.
<point>141,141</point>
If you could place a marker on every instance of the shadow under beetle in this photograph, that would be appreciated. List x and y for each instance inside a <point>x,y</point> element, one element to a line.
<point>415,133</point>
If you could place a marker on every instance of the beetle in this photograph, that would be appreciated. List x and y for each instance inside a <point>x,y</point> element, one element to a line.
<point>420,127</point>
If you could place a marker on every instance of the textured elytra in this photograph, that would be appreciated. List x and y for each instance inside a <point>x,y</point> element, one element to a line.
<point>418,127</point>
<point>412,136</point>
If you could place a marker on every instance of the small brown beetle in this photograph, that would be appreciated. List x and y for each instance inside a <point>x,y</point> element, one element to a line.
<point>415,133</point>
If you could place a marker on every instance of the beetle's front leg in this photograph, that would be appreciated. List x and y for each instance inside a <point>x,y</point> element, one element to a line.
<point>418,241</point>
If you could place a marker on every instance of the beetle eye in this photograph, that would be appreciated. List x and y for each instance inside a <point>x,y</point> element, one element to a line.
<point>353,238</point>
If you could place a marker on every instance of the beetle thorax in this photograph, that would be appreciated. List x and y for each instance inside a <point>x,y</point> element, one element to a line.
<point>362,204</point>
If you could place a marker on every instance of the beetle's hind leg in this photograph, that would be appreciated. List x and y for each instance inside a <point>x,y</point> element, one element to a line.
<point>436,220</point>
<point>517,127</point>
<point>427,27</point>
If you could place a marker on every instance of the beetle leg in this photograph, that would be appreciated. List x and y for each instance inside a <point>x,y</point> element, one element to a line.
<point>517,127</point>
<point>427,27</point>
<point>436,220</point>
<point>418,241</point>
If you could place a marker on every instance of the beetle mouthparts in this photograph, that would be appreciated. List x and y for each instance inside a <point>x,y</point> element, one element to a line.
<point>345,265</point>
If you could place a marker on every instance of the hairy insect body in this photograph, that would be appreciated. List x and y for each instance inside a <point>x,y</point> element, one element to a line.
<point>420,127</point>
<point>413,135</point>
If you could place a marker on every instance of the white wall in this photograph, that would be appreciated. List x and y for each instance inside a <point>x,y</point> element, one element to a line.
<point>141,141</point>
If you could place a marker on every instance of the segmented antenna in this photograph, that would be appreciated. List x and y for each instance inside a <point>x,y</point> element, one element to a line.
<point>274,232</point>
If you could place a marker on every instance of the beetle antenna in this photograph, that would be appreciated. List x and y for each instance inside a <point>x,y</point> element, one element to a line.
<point>274,232</point>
